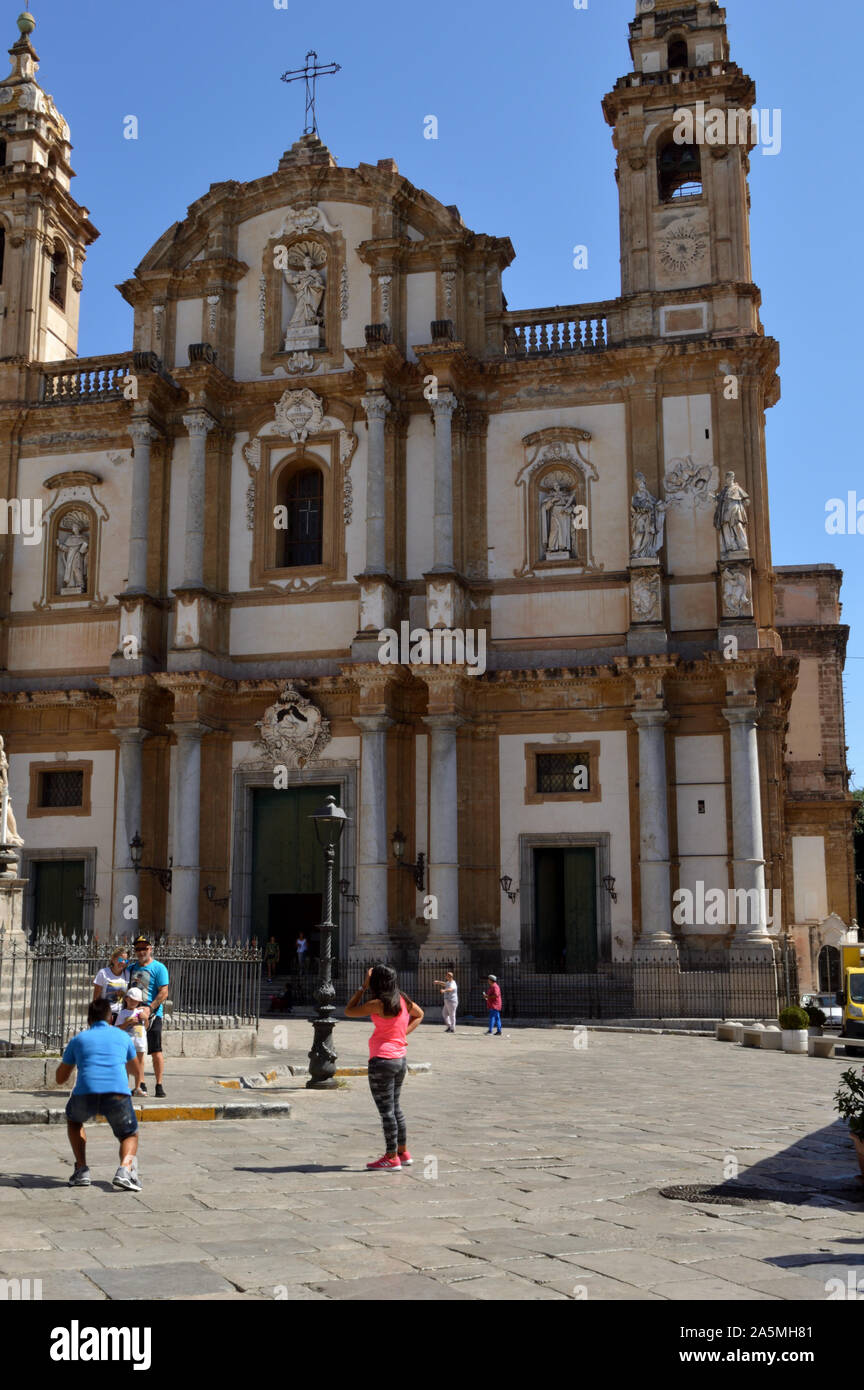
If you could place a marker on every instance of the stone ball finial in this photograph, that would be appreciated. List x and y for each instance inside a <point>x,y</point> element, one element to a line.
<point>26,23</point>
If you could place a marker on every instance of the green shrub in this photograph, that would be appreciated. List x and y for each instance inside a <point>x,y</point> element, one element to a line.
<point>849,1100</point>
<point>793,1018</point>
<point>818,1018</point>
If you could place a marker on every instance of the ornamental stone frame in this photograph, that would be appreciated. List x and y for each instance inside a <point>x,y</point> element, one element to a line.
<point>73,492</point>
<point>599,840</point>
<point>552,452</point>
<point>29,857</point>
<point>257,774</point>
<point>332,243</point>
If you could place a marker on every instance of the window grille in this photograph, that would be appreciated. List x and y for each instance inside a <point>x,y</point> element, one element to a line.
<point>556,773</point>
<point>61,789</point>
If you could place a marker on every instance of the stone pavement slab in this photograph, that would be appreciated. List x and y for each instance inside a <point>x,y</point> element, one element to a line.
<point>536,1177</point>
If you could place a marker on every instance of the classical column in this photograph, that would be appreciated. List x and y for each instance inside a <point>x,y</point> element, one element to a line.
<point>442,411</point>
<point>143,434</point>
<point>198,424</point>
<point>126,882</point>
<point>377,408</point>
<point>655,884</point>
<point>749,854</point>
<point>187,829</point>
<point>372,833</point>
<point>443,835</point>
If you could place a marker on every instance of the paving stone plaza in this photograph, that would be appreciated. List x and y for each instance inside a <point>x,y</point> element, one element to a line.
<point>538,1167</point>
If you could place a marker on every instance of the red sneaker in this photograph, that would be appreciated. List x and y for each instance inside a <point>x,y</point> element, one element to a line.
<point>387,1164</point>
<point>405,1158</point>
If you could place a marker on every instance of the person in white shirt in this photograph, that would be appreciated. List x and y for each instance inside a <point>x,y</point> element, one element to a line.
<point>450,1000</point>
<point>112,981</point>
<point>132,1018</point>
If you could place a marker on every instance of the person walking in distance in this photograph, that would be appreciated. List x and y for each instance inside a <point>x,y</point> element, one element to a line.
<point>393,1017</point>
<point>271,957</point>
<point>302,949</point>
<point>493,1004</point>
<point>450,1000</point>
<point>103,1056</point>
<point>151,977</point>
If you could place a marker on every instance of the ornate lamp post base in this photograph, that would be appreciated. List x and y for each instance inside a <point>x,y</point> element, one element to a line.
<point>322,1057</point>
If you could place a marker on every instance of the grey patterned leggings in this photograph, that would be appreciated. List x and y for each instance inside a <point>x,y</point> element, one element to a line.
<point>386,1075</point>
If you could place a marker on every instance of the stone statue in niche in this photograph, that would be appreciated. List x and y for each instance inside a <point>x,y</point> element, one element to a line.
<point>9,829</point>
<point>73,543</point>
<point>557,510</point>
<point>730,519</point>
<point>303,277</point>
<point>647,522</point>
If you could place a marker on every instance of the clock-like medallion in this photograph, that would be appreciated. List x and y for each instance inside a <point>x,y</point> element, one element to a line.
<point>681,247</point>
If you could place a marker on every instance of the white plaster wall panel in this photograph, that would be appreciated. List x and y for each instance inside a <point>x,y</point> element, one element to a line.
<point>692,607</point>
<point>691,541</point>
<point>177,517</point>
<point>420,508</point>
<point>284,629</point>
<point>699,758</point>
<point>72,647</point>
<point>95,831</point>
<point>579,613</point>
<point>114,492</point>
<point>607,451</point>
<point>611,815</point>
<point>419,310</point>
<point>711,872</point>
<point>811,883</point>
<point>804,741</point>
<point>704,833</point>
<point>188,329</point>
<point>355,224</point>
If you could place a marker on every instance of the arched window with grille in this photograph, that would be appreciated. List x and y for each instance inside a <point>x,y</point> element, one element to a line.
<point>301,542</point>
<point>679,172</point>
<point>57,278</point>
<point>678,55</point>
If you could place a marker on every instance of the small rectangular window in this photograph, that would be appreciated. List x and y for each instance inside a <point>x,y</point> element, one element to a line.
<point>559,773</point>
<point>57,789</point>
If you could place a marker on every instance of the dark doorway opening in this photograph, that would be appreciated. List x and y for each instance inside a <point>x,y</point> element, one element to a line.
<point>288,871</point>
<point>830,970</point>
<point>288,915</point>
<point>565,910</point>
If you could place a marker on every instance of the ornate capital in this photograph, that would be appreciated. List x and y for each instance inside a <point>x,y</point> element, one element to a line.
<point>650,718</point>
<point>444,406</point>
<point>377,407</point>
<point>742,715</point>
<point>141,431</point>
<point>198,423</point>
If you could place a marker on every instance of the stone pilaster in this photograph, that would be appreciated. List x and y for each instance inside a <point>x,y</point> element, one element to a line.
<point>748,849</point>
<point>444,940</point>
<point>142,433</point>
<point>373,853</point>
<point>187,821</point>
<point>443,408</point>
<point>127,824</point>
<point>654,865</point>
<point>377,409</point>
<point>198,424</point>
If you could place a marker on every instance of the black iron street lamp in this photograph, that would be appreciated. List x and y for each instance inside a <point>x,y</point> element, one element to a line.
<point>398,842</point>
<point>329,822</point>
<point>165,876</point>
<point>507,887</point>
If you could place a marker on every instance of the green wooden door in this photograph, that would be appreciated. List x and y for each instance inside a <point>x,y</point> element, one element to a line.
<point>565,921</point>
<point>288,863</point>
<point>55,898</point>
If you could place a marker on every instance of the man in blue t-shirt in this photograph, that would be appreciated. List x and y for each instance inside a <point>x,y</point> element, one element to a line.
<point>151,977</point>
<point>105,1057</point>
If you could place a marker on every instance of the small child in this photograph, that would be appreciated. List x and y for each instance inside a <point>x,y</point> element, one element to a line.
<point>132,1018</point>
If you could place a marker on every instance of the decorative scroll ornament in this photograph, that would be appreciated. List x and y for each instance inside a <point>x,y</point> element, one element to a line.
<point>343,293</point>
<point>303,220</point>
<point>262,302</point>
<point>300,362</point>
<point>293,731</point>
<point>645,598</point>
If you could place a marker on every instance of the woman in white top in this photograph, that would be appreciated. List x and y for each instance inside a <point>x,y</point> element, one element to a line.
<point>112,981</point>
<point>450,1000</point>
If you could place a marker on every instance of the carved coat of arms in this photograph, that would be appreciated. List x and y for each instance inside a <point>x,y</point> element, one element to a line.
<point>299,414</point>
<point>293,731</point>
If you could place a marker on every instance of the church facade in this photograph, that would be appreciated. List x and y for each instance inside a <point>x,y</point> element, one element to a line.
<point>342,523</point>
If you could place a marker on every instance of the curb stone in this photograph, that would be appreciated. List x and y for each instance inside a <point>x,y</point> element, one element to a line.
<point>263,1110</point>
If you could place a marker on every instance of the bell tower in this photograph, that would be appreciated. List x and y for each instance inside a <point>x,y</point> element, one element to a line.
<point>683,128</point>
<point>44,233</point>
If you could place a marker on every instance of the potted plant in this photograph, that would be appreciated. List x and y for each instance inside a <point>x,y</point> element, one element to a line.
<point>794,1023</point>
<point>818,1018</point>
<point>849,1100</point>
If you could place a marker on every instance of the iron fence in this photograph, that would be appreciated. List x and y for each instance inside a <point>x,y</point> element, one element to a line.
<point>45,989</point>
<point>701,985</point>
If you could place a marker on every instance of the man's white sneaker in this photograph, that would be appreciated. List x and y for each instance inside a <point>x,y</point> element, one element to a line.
<point>127,1179</point>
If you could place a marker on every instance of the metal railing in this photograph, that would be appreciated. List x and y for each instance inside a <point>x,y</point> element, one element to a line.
<point>45,989</point>
<point>703,985</point>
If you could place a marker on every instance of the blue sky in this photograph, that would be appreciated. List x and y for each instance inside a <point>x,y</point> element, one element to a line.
<point>522,149</point>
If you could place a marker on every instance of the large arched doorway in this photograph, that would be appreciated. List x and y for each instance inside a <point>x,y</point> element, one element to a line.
<point>830,970</point>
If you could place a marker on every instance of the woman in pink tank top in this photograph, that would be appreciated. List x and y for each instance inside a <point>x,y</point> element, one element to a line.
<point>393,1017</point>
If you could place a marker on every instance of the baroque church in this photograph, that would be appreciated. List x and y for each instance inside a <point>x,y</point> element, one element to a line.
<point>330,426</point>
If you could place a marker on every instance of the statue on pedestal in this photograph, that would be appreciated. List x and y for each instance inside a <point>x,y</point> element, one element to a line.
<point>730,518</point>
<point>647,522</point>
